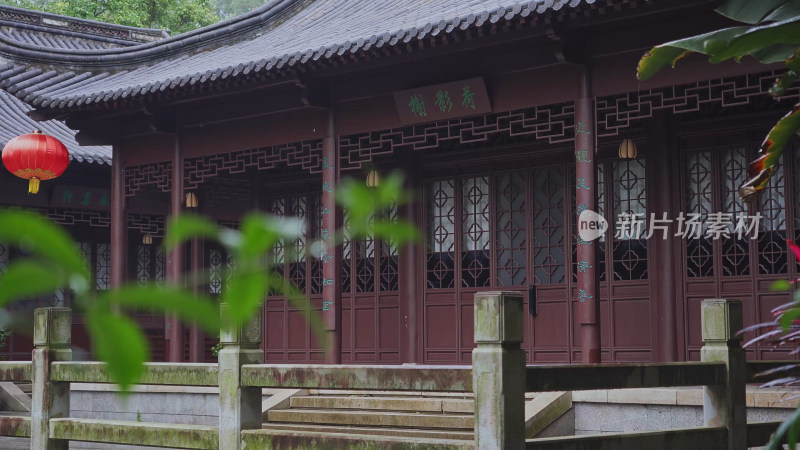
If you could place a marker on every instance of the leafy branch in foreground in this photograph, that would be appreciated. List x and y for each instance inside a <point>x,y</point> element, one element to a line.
<point>783,331</point>
<point>55,262</point>
<point>770,34</point>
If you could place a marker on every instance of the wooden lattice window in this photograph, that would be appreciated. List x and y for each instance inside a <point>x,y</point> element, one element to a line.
<point>475,237</point>
<point>479,233</point>
<point>699,200</point>
<point>102,273</point>
<point>712,180</point>
<point>441,234</point>
<point>772,255</point>
<point>297,206</point>
<point>149,263</point>
<point>548,225</point>
<point>375,261</point>
<point>735,250</point>
<point>291,259</point>
<point>347,253</point>
<point>389,257</point>
<point>510,229</point>
<point>629,198</point>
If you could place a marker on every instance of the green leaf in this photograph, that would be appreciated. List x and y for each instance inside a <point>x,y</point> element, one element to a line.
<point>245,292</point>
<point>119,342</point>
<point>28,278</point>
<point>765,42</point>
<point>188,226</point>
<point>749,11</point>
<point>788,317</point>
<point>169,300</point>
<point>391,192</point>
<point>777,438</point>
<point>656,59</point>
<point>397,232</point>
<point>786,11</point>
<point>44,239</point>
<point>260,232</point>
<point>354,196</point>
<point>781,285</point>
<point>774,53</point>
<point>755,38</point>
<point>760,170</point>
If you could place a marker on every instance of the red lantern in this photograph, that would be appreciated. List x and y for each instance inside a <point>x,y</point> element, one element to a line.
<point>35,157</point>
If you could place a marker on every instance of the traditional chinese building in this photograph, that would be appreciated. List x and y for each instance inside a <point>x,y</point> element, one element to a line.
<point>80,199</point>
<point>508,118</point>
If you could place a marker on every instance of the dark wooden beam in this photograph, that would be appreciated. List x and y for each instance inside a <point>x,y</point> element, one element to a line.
<point>705,438</point>
<point>622,376</point>
<point>94,138</point>
<point>760,433</point>
<point>754,368</point>
<point>254,105</point>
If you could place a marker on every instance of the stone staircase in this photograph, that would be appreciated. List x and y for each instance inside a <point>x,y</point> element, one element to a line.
<point>429,415</point>
<point>15,397</point>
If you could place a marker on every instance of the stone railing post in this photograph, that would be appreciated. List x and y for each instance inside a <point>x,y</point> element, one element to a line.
<point>725,405</point>
<point>498,371</point>
<point>239,407</point>
<point>52,339</point>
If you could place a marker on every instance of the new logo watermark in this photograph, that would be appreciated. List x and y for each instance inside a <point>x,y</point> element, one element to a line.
<point>592,225</point>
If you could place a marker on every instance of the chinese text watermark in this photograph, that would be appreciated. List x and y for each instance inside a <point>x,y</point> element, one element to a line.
<point>713,226</point>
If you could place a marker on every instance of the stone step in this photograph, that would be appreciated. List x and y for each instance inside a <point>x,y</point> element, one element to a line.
<point>372,419</point>
<point>384,431</point>
<point>415,404</point>
<point>262,438</point>
<point>411,394</point>
<point>362,393</point>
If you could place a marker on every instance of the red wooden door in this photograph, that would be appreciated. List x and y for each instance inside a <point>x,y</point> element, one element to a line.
<point>736,267</point>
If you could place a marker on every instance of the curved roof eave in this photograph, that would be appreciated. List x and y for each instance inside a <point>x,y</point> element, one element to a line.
<point>116,57</point>
<point>320,30</point>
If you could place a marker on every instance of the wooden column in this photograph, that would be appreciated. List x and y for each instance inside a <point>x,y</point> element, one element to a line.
<point>196,338</point>
<point>586,194</point>
<point>175,259</point>
<point>665,294</point>
<point>332,256</point>
<point>119,218</point>
<point>409,266</point>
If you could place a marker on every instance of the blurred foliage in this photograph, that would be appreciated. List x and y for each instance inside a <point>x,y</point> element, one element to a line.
<point>54,261</point>
<point>770,33</point>
<point>230,8</point>
<point>783,332</point>
<point>178,16</point>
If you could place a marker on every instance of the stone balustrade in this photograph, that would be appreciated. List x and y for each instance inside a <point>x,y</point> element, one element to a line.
<point>498,377</point>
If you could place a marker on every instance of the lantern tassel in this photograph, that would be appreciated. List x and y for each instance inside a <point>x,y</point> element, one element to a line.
<point>33,186</point>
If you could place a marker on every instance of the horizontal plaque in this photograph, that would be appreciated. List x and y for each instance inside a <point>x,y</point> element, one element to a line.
<point>80,198</point>
<point>443,101</point>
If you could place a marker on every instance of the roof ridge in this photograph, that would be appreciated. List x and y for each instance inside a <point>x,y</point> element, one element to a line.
<point>83,26</point>
<point>226,30</point>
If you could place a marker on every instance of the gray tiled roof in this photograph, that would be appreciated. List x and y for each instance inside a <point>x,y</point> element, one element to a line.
<point>50,31</point>
<point>14,121</point>
<point>285,33</point>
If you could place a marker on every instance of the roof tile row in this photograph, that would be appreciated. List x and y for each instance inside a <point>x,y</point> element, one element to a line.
<point>284,34</point>
<point>47,32</point>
